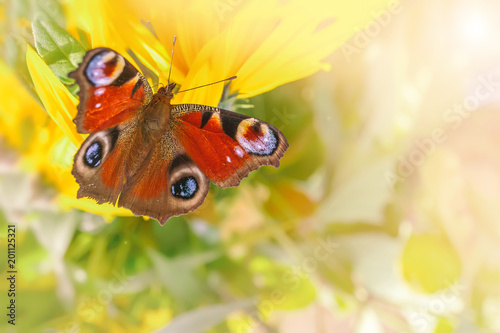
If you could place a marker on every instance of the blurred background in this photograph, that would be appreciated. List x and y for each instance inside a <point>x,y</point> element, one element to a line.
<point>382,217</point>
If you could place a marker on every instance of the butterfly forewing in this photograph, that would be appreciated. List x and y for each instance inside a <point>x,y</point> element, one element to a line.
<point>111,90</point>
<point>226,145</point>
<point>154,158</point>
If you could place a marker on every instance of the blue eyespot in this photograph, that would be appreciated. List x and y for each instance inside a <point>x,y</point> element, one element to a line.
<point>104,68</point>
<point>93,155</point>
<point>185,188</point>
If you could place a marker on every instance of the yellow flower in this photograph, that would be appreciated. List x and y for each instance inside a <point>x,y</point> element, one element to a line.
<point>27,128</point>
<point>19,113</point>
<point>264,43</point>
<point>108,24</point>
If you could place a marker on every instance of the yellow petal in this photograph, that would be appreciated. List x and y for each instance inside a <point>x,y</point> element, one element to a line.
<point>265,43</point>
<point>112,29</point>
<point>19,113</point>
<point>57,100</point>
<point>105,210</point>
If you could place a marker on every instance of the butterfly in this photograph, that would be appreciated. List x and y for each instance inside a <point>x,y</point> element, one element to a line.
<point>153,157</point>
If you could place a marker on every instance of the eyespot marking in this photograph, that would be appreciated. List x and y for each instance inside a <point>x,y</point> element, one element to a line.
<point>104,68</point>
<point>256,137</point>
<point>93,155</point>
<point>185,188</point>
<point>230,125</point>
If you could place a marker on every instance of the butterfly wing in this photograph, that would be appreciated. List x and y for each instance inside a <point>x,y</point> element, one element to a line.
<point>156,168</point>
<point>122,165</point>
<point>121,162</point>
<point>100,165</point>
<point>226,145</point>
<point>111,90</point>
<point>168,183</point>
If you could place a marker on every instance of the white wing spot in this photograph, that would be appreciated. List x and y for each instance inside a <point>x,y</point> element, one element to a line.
<point>239,151</point>
<point>99,91</point>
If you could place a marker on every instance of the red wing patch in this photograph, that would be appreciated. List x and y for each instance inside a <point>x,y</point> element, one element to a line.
<point>216,154</point>
<point>110,105</point>
<point>151,180</point>
<point>112,170</point>
<point>225,145</point>
<point>111,90</point>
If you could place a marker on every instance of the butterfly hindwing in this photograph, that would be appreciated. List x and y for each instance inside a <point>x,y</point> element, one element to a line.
<point>154,158</point>
<point>157,179</point>
<point>226,145</point>
<point>167,184</point>
<point>111,90</point>
<point>99,164</point>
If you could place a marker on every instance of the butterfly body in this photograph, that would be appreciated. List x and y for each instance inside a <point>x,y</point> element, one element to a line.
<point>150,156</point>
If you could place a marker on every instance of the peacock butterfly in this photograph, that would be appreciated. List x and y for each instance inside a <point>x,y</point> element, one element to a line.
<point>152,157</point>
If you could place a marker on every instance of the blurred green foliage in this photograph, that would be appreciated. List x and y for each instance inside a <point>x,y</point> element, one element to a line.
<point>323,243</point>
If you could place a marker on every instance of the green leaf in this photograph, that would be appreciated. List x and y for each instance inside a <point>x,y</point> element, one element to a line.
<point>84,39</point>
<point>62,152</point>
<point>50,9</point>
<point>179,277</point>
<point>58,48</point>
<point>16,37</point>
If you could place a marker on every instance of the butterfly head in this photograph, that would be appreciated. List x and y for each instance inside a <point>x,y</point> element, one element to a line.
<point>167,90</point>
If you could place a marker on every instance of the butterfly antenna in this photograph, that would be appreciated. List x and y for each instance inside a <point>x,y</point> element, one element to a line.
<point>171,58</point>
<point>228,79</point>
